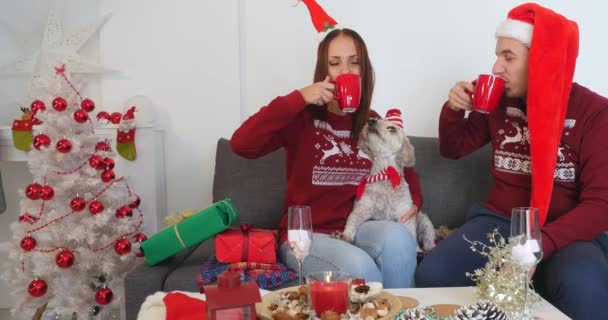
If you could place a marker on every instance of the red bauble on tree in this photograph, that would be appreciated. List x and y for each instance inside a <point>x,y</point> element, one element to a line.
<point>78,204</point>
<point>81,116</point>
<point>28,243</point>
<point>41,141</point>
<point>115,117</point>
<point>109,163</point>
<point>103,146</point>
<point>139,238</point>
<point>136,202</point>
<point>104,296</point>
<point>64,145</point>
<point>47,193</point>
<point>96,162</point>
<point>122,246</point>
<point>108,176</point>
<point>64,259</point>
<point>33,191</point>
<point>95,207</point>
<point>87,105</point>
<point>124,212</point>
<point>60,104</point>
<point>37,288</point>
<point>37,105</point>
<point>28,218</point>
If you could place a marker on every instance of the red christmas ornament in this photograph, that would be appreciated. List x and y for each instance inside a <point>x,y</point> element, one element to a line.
<point>64,145</point>
<point>96,162</point>
<point>103,115</point>
<point>135,203</point>
<point>115,117</point>
<point>122,246</point>
<point>103,146</point>
<point>108,176</point>
<point>41,141</point>
<point>28,243</point>
<point>28,218</point>
<point>109,163</point>
<point>37,288</point>
<point>36,121</point>
<point>87,105</point>
<point>78,204</point>
<point>104,296</point>
<point>140,237</point>
<point>60,104</point>
<point>64,259</point>
<point>124,212</point>
<point>33,191</point>
<point>37,105</point>
<point>81,116</point>
<point>95,207</point>
<point>47,193</point>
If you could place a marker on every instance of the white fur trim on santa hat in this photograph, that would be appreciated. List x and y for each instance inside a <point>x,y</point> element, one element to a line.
<point>516,29</point>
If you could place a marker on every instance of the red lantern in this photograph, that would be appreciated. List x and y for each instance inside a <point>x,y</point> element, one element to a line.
<point>41,141</point>
<point>28,243</point>
<point>96,162</point>
<point>33,191</point>
<point>64,145</point>
<point>37,288</point>
<point>109,163</point>
<point>108,176</point>
<point>115,117</point>
<point>60,104</point>
<point>81,116</point>
<point>136,202</point>
<point>47,193</point>
<point>122,246</point>
<point>102,146</point>
<point>64,259</point>
<point>124,212</point>
<point>87,105</point>
<point>104,296</point>
<point>78,204</point>
<point>95,207</point>
<point>37,105</point>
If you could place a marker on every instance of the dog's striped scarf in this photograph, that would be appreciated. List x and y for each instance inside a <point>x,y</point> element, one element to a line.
<point>388,173</point>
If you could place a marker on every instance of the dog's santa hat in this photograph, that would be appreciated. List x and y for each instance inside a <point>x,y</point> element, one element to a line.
<point>553,43</point>
<point>394,116</point>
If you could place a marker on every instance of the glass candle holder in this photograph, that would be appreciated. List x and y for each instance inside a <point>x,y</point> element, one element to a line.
<point>329,290</point>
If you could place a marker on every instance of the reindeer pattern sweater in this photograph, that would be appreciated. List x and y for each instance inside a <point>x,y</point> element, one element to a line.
<point>579,203</point>
<point>323,163</point>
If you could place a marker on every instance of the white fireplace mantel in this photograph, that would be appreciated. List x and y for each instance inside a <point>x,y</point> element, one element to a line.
<point>145,175</point>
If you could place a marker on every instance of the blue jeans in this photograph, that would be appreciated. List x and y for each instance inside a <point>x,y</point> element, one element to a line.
<point>574,279</point>
<point>382,251</point>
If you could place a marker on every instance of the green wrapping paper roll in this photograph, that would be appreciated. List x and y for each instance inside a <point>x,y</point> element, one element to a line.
<point>189,232</point>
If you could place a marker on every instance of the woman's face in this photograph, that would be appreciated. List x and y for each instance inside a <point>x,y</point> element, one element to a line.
<point>342,57</point>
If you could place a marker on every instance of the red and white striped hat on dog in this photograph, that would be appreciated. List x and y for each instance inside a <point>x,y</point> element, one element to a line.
<point>394,115</point>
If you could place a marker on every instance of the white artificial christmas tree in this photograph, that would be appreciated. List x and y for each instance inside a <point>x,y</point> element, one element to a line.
<point>79,227</point>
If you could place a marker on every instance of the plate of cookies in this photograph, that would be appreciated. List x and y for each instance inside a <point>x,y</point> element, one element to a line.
<point>367,301</point>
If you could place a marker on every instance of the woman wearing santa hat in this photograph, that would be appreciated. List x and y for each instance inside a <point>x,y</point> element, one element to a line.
<point>324,166</point>
<point>548,138</point>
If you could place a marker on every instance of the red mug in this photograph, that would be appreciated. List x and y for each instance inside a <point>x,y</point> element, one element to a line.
<point>348,91</point>
<point>488,91</point>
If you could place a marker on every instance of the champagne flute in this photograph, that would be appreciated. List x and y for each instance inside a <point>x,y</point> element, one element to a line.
<point>299,233</point>
<point>527,249</point>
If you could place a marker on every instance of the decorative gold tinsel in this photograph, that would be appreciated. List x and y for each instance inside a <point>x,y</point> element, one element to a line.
<point>501,280</point>
<point>177,217</point>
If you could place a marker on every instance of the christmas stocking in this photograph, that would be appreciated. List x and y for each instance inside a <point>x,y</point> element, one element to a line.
<point>125,140</point>
<point>182,307</point>
<point>22,134</point>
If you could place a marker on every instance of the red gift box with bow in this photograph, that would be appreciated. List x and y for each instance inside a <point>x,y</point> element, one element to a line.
<point>246,244</point>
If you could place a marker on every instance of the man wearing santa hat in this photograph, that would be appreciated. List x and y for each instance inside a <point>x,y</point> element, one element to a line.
<point>549,149</point>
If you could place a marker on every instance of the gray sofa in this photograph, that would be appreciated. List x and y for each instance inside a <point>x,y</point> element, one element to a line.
<point>257,189</point>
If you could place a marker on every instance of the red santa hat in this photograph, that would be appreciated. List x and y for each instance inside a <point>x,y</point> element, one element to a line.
<point>553,43</point>
<point>394,116</point>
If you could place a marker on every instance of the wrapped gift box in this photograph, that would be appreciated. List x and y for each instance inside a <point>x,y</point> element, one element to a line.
<point>189,232</point>
<point>246,245</point>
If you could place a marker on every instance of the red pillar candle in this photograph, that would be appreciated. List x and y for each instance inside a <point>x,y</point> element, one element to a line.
<point>329,295</point>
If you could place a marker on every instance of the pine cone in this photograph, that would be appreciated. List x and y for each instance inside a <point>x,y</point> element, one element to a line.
<point>412,314</point>
<point>482,310</point>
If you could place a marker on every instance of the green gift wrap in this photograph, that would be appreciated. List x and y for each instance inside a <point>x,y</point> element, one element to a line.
<point>189,232</point>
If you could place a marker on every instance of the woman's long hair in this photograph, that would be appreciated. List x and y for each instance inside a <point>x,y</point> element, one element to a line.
<point>366,72</point>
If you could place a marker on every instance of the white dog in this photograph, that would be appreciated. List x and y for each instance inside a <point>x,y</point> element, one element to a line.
<point>384,194</point>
